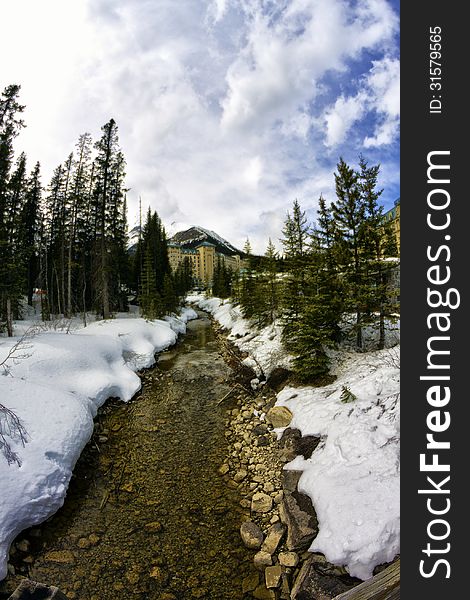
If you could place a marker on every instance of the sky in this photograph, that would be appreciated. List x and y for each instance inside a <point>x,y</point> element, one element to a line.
<point>228,110</point>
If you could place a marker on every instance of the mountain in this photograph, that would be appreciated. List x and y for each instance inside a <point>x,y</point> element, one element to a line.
<point>192,237</point>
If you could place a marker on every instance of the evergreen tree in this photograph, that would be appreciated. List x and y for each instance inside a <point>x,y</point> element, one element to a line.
<point>10,275</point>
<point>349,215</point>
<point>149,298</point>
<point>377,244</point>
<point>107,205</point>
<point>31,221</point>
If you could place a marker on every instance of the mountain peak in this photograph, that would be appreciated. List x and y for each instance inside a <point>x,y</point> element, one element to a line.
<point>192,237</point>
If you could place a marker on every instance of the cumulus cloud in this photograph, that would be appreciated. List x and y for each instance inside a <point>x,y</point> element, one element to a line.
<point>223,106</point>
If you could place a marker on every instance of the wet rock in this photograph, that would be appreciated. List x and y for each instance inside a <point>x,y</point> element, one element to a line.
<point>288,559</point>
<point>240,475</point>
<point>279,416</point>
<point>251,535</point>
<point>250,583</point>
<point>154,527</point>
<point>158,575</point>
<point>273,538</point>
<point>224,469</point>
<point>272,576</point>
<point>296,511</point>
<point>261,503</point>
<point>262,593</point>
<point>60,556</point>
<point>262,560</point>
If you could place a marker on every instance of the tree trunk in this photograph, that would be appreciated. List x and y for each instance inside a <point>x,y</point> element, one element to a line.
<point>9,318</point>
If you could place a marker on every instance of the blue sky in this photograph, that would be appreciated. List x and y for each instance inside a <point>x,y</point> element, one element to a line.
<point>228,110</point>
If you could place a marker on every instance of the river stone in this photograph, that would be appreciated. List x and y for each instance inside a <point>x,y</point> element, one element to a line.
<point>224,469</point>
<point>154,527</point>
<point>240,475</point>
<point>65,557</point>
<point>251,535</point>
<point>279,416</point>
<point>261,593</point>
<point>262,560</point>
<point>296,511</point>
<point>261,503</point>
<point>273,576</point>
<point>273,537</point>
<point>250,583</point>
<point>157,574</point>
<point>288,559</point>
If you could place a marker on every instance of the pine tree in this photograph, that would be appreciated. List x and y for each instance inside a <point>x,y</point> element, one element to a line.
<point>107,204</point>
<point>10,275</point>
<point>349,215</point>
<point>149,298</point>
<point>31,220</point>
<point>377,244</point>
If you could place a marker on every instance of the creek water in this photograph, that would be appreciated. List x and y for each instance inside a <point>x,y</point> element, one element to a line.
<point>147,515</point>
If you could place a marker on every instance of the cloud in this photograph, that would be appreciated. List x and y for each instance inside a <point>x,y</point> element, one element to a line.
<point>379,93</point>
<point>223,106</point>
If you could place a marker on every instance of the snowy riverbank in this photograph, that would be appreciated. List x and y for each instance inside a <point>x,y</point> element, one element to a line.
<point>55,383</point>
<point>353,475</point>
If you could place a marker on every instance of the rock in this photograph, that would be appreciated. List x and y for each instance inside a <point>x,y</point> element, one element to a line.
<point>279,416</point>
<point>310,584</point>
<point>251,535</point>
<point>94,539</point>
<point>224,469</point>
<point>250,583</point>
<point>290,480</point>
<point>23,546</point>
<point>65,557</point>
<point>159,576</point>
<point>262,560</point>
<point>269,487</point>
<point>262,593</point>
<point>296,511</point>
<point>261,503</point>
<point>133,577</point>
<point>307,444</point>
<point>273,538</point>
<point>288,559</point>
<point>260,429</point>
<point>240,475</point>
<point>154,527</point>
<point>272,576</point>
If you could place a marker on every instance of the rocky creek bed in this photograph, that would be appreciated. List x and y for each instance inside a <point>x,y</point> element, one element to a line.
<point>180,494</point>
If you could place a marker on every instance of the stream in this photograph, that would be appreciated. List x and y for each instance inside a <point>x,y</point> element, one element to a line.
<point>147,514</point>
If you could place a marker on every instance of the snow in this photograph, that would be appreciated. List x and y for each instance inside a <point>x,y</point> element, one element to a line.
<point>55,383</point>
<point>264,348</point>
<point>353,475</point>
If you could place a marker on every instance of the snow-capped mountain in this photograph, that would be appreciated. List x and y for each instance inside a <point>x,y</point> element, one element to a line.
<point>189,238</point>
<point>192,237</point>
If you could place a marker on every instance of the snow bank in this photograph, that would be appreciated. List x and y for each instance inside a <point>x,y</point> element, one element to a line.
<point>55,383</point>
<point>353,475</point>
<point>264,348</point>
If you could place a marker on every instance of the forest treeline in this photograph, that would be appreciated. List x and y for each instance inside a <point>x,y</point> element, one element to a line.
<point>67,241</point>
<point>333,275</point>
